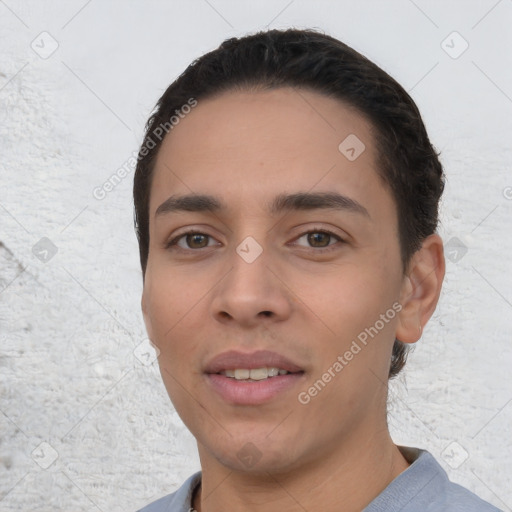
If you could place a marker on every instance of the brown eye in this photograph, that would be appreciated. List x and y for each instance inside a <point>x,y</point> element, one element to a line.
<point>190,240</point>
<point>319,239</point>
<point>196,240</point>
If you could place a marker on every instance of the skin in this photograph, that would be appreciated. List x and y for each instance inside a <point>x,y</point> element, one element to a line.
<point>245,148</point>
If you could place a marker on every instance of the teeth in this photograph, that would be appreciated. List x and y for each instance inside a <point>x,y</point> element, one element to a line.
<point>254,374</point>
<point>259,374</point>
<point>242,374</point>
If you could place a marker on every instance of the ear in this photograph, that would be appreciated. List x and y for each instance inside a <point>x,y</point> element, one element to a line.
<point>421,289</point>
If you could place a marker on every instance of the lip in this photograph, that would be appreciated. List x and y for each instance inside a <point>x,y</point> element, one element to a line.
<point>239,392</point>
<point>233,359</point>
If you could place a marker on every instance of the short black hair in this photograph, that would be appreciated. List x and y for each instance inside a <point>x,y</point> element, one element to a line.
<point>308,59</point>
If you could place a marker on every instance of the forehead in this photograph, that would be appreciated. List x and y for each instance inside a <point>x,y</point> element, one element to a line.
<point>250,146</point>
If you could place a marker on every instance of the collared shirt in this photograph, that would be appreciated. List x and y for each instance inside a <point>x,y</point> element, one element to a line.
<point>423,487</point>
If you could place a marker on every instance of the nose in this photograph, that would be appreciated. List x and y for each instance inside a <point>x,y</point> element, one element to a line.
<point>252,293</point>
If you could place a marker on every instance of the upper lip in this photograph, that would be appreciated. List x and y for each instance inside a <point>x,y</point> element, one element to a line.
<point>232,360</point>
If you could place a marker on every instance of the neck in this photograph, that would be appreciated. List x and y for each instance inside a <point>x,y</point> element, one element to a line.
<point>352,475</point>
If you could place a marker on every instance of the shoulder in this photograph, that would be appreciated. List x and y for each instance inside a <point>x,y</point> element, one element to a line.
<point>449,496</point>
<point>160,505</point>
<point>455,498</point>
<point>424,486</point>
<point>179,501</point>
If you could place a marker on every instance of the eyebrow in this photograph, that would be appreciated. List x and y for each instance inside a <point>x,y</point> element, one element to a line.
<point>300,201</point>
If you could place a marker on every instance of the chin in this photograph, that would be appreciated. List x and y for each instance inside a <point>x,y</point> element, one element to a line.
<point>252,460</point>
<point>251,453</point>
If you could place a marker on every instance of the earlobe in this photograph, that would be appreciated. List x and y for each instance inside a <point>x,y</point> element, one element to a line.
<point>421,289</point>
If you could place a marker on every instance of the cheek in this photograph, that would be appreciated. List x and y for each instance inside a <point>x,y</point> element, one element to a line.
<point>344,309</point>
<point>172,312</point>
<point>347,298</point>
<point>174,302</point>
<point>170,296</point>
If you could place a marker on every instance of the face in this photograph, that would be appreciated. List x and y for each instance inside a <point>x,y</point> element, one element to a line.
<point>291,265</point>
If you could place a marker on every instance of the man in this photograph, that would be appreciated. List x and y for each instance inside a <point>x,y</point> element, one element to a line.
<point>286,201</point>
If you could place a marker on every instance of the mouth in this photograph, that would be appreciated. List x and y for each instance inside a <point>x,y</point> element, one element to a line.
<point>256,374</point>
<point>252,379</point>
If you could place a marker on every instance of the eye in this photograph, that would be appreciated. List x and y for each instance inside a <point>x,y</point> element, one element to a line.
<point>320,239</point>
<point>191,239</point>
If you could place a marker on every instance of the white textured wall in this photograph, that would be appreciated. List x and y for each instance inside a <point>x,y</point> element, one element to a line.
<point>69,377</point>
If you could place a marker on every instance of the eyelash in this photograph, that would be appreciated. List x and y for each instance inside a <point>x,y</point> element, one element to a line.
<point>172,244</point>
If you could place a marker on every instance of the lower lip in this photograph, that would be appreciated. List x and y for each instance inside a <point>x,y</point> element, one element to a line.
<point>241,392</point>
